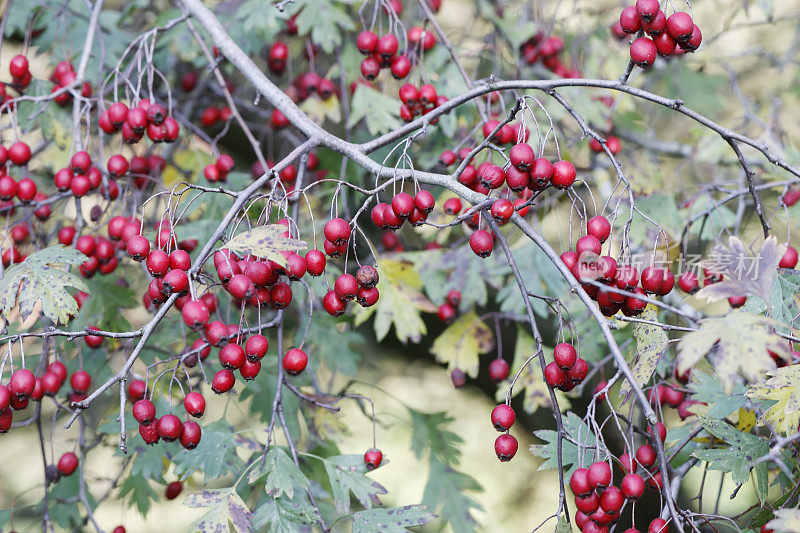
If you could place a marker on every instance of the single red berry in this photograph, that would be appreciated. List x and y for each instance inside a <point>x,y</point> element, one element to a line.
<point>629,20</point>
<point>643,52</point>
<point>646,455</point>
<point>144,411</point>
<point>366,42</point>
<point>373,458</point>
<point>554,376</point>
<point>588,503</point>
<point>256,347</point>
<point>659,525</point>
<point>232,356</point>
<point>505,446</point>
<point>80,381</point>
<point>223,381</point>
<point>503,417</point>
<point>498,368</point>
<point>19,153</point>
<point>332,304</point>
<point>22,383</point>
<point>599,475</point>
<point>481,242</point>
<point>195,314</point>
<point>169,428</point>
<point>522,157</point>
<point>190,434</point>
<point>67,464</point>
<point>579,482</point>
<point>18,66</point>
<point>789,259</point>
<point>565,355</point>
<point>501,211</point>
<point>149,432</point>
<point>337,231</point>
<point>599,227</point>
<point>578,372</point>
<point>295,361</point>
<point>315,262</point>
<point>688,283</point>
<point>611,500</point>
<point>632,486</point>
<point>647,9</point>
<point>173,490</point>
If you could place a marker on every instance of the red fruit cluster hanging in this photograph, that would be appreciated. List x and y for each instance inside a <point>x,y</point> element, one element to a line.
<point>419,101</point>
<point>147,117</point>
<point>547,50</point>
<point>665,36</point>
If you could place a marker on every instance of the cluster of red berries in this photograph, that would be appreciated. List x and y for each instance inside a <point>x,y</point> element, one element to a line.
<point>211,115</point>
<point>547,50</point>
<point>381,53</point>
<point>169,427</point>
<point>309,84</point>
<point>24,386</point>
<point>567,369</point>
<point>667,36</point>
<point>506,445</point>
<point>101,254</point>
<point>147,117</point>
<point>587,264</point>
<point>63,75</point>
<point>448,311</point>
<point>404,207</point>
<point>419,101</point>
<point>219,170</point>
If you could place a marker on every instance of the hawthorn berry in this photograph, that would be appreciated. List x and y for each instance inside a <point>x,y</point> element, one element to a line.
<point>659,525</point>
<point>643,52</point>
<point>173,490</point>
<point>505,446</point>
<point>503,417</point>
<point>373,458</point>
<point>67,464</point>
<point>481,242</point>
<point>599,475</point>
<point>789,258</point>
<point>565,355</point>
<point>498,368</point>
<point>563,174</point>
<point>190,434</point>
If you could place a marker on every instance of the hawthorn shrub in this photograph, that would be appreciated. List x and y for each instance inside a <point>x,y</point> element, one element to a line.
<point>236,207</point>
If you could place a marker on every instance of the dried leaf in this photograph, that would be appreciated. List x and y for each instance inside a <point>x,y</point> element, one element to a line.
<point>35,282</point>
<point>266,241</point>
<point>224,505</point>
<point>782,387</point>
<point>742,341</point>
<point>460,344</point>
<point>745,273</point>
<point>651,343</point>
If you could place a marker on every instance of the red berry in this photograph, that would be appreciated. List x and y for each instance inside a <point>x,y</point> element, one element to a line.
<point>173,490</point>
<point>315,262</point>
<point>387,45</point>
<point>481,242</point>
<point>223,381</point>
<point>565,355</point>
<point>659,525</point>
<point>579,482</point>
<point>169,428</point>
<point>789,259</point>
<point>498,368</point>
<point>588,503</point>
<point>195,314</point>
<point>646,456</point>
<point>503,417</point>
<point>505,446</point>
<point>599,227</point>
<point>373,458</point>
<point>231,356</point>
<point>611,500</point>
<point>554,376</point>
<point>80,381</point>
<point>366,42</point>
<point>632,486</point>
<point>688,283</point>
<point>295,361</point>
<point>19,153</point>
<point>647,9</point>
<point>502,210</point>
<point>337,231</point>
<point>643,52</point>
<point>67,464</point>
<point>522,157</point>
<point>144,411</point>
<point>332,304</point>
<point>22,383</point>
<point>563,175</point>
<point>629,20</point>
<point>256,347</point>
<point>18,66</point>
<point>599,475</point>
<point>190,434</point>
<point>138,247</point>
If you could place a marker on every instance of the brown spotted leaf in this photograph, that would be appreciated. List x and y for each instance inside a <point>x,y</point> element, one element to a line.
<point>223,506</point>
<point>395,520</point>
<point>746,273</point>
<point>266,241</point>
<point>741,343</point>
<point>35,281</point>
<point>651,343</point>
<point>460,344</point>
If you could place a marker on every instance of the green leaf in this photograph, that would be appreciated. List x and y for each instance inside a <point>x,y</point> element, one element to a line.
<point>380,112</point>
<point>541,277</point>
<point>347,474</point>
<point>572,457</point>
<point>461,342</point>
<point>739,456</point>
<point>141,493</point>
<point>708,390</point>
<point>651,343</point>
<point>563,525</point>
<point>783,307</point>
<point>444,495</point>
<point>431,435</point>
<point>282,474</point>
<point>332,341</point>
<point>34,281</point>
<point>67,515</point>
<point>267,242</point>
<point>103,309</point>
<point>395,520</point>
<point>224,505</point>
<point>215,456</point>
<point>148,462</point>
<point>324,21</point>
<point>284,516</point>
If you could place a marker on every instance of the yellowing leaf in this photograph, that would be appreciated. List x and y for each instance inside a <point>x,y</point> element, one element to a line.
<point>745,273</point>
<point>319,110</point>
<point>747,420</point>
<point>460,344</point>
<point>192,161</point>
<point>400,302</point>
<point>740,342</point>
<point>651,342</point>
<point>782,387</point>
<point>267,242</point>
<point>34,282</point>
